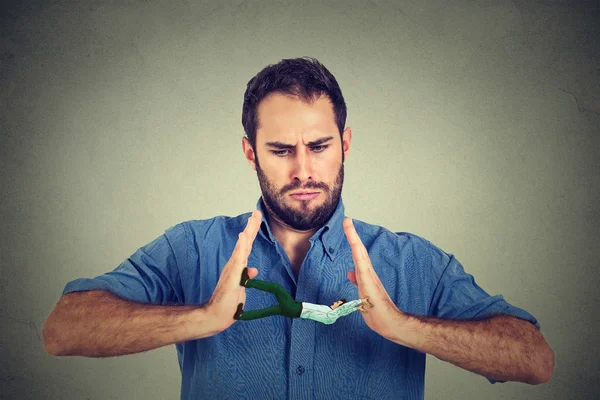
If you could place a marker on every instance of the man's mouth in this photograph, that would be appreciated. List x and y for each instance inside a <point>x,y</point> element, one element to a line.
<point>305,195</point>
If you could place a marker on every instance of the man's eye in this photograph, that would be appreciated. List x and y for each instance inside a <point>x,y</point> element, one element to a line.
<point>318,149</point>
<point>323,146</point>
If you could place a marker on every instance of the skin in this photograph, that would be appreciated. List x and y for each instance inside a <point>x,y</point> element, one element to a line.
<point>502,348</point>
<point>336,304</point>
<point>286,119</point>
<point>365,303</point>
<point>360,307</point>
<point>97,324</point>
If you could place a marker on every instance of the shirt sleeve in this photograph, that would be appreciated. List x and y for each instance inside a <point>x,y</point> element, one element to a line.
<point>456,295</point>
<point>150,275</point>
<point>346,308</point>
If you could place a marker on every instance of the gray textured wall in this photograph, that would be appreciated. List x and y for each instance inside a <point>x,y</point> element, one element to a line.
<point>475,125</point>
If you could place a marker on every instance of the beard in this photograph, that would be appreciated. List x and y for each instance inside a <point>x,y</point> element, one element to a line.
<point>304,216</point>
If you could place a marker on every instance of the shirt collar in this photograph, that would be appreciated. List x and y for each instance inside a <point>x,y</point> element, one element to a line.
<point>330,235</point>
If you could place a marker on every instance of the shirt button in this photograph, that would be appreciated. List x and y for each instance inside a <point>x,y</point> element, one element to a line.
<point>300,370</point>
<point>331,250</point>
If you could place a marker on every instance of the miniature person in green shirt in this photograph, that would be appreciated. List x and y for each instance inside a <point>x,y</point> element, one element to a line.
<point>294,309</point>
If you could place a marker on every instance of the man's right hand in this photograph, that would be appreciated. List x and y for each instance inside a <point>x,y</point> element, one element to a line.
<point>229,293</point>
<point>96,323</point>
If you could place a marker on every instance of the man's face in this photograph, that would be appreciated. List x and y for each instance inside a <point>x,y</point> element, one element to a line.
<point>302,166</point>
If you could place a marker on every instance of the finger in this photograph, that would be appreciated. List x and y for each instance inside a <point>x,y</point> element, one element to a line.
<point>246,237</point>
<point>253,224</point>
<point>242,297</point>
<point>251,230</point>
<point>358,249</point>
<point>252,272</point>
<point>364,269</point>
<point>352,277</point>
<point>242,248</point>
<point>232,271</point>
<point>240,251</point>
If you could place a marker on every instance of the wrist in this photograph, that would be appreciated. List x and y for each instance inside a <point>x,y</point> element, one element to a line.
<point>200,323</point>
<point>408,332</point>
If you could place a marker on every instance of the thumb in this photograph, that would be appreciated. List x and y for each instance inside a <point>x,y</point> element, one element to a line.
<point>252,272</point>
<point>352,276</point>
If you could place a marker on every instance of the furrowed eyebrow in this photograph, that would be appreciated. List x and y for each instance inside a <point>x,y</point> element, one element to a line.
<point>280,145</point>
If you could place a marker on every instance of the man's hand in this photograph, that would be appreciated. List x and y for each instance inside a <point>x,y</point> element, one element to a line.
<point>503,348</point>
<point>96,323</point>
<point>229,293</point>
<point>384,315</point>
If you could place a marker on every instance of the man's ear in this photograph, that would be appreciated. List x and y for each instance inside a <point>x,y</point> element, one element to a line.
<point>346,141</point>
<point>249,153</point>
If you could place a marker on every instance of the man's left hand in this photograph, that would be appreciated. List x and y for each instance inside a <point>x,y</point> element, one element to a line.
<point>384,317</point>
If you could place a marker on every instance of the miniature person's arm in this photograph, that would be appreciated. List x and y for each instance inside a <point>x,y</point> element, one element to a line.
<point>326,314</point>
<point>345,309</point>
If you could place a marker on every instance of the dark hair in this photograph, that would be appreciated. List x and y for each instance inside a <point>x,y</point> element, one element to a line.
<point>304,77</point>
<point>342,300</point>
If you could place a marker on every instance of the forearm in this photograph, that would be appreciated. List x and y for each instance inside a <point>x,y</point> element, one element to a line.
<point>501,348</point>
<point>98,324</point>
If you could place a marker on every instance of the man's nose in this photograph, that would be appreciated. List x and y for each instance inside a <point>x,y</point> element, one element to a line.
<point>303,166</point>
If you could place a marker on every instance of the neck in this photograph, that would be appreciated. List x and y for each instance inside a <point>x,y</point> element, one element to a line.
<point>286,235</point>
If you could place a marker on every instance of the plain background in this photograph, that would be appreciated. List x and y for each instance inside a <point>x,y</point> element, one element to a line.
<point>475,125</point>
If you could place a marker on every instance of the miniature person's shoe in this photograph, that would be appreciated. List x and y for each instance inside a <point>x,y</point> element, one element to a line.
<point>245,277</point>
<point>239,311</point>
<point>368,302</point>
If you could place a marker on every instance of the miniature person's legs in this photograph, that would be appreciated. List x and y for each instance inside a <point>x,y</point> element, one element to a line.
<point>280,293</point>
<point>264,312</point>
<point>289,306</point>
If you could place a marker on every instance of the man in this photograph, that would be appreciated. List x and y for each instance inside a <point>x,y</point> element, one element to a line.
<point>184,287</point>
<point>291,308</point>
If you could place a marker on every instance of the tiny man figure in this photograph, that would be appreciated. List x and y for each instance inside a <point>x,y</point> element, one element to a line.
<point>294,309</point>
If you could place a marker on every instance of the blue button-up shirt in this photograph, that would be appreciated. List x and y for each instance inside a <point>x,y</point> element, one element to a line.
<point>284,358</point>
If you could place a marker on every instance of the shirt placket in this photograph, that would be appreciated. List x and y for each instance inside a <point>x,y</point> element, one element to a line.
<point>301,361</point>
